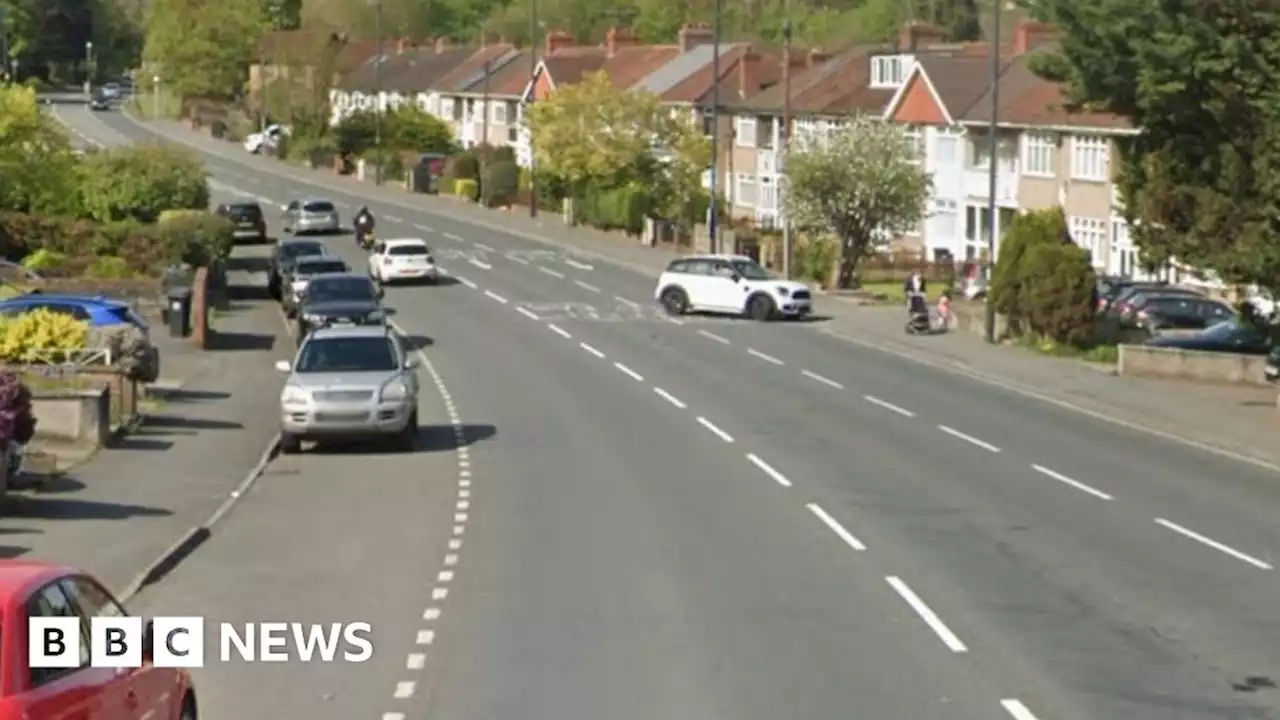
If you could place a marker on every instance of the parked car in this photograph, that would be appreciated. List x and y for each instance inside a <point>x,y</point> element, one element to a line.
<point>732,284</point>
<point>1170,311</point>
<point>250,223</point>
<point>305,268</point>
<point>267,139</point>
<point>1272,370</point>
<point>99,102</point>
<point>283,255</point>
<point>311,215</point>
<point>39,590</point>
<point>402,259</point>
<point>344,298</point>
<point>1229,336</point>
<point>100,312</point>
<point>350,383</point>
<point>1124,304</point>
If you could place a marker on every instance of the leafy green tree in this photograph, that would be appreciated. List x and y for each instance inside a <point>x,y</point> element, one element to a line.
<point>860,186</point>
<point>1058,290</point>
<point>1028,230</point>
<point>411,129</point>
<point>35,156</point>
<point>201,49</point>
<point>141,182</point>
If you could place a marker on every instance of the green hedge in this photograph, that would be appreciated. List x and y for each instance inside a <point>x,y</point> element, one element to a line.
<point>469,189</point>
<point>501,184</point>
<point>623,208</point>
<point>139,183</point>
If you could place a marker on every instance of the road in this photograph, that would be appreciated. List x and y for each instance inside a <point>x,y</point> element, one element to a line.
<point>722,519</point>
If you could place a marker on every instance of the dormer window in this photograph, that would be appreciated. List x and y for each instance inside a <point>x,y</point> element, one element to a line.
<point>890,71</point>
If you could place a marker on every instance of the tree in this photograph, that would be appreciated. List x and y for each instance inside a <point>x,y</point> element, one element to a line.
<point>35,156</point>
<point>1058,291</point>
<point>1202,180</point>
<point>858,185</point>
<point>412,129</point>
<point>201,49</point>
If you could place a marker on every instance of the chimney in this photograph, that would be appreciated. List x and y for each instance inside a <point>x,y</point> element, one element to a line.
<point>558,40</point>
<point>442,44</point>
<point>1030,35</point>
<point>816,57</point>
<point>913,35</point>
<point>748,75</point>
<point>694,35</point>
<point>618,38</point>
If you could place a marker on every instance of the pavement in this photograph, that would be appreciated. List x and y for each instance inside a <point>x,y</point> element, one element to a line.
<point>721,519</point>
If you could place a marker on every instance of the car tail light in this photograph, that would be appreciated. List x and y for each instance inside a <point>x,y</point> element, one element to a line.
<point>1141,316</point>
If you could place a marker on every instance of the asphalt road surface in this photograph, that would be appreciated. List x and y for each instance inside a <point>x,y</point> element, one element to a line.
<point>718,519</point>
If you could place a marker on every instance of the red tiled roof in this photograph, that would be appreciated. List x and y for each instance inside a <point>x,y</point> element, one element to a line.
<point>631,64</point>
<point>1030,100</point>
<point>699,84</point>
<point>471,70</point>
<point>510,80</point>
<point>353,54</point>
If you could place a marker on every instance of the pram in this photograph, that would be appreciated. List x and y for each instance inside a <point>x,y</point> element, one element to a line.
<point>918,321</point>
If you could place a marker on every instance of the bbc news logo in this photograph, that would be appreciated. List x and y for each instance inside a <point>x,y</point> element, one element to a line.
<point>179,642</point>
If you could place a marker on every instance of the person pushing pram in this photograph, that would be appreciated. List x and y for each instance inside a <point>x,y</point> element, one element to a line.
<point>919,320</point>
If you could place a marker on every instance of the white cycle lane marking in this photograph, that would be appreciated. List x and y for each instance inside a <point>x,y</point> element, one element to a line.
<point>926,614</point>
<point>1069,481</point>
<point>1210,542</point>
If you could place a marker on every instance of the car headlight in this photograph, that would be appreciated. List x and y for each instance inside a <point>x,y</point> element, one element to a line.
<point>783,292</point>
<point>313,319</point>
<point>293,396</point>
<point>394,391</point>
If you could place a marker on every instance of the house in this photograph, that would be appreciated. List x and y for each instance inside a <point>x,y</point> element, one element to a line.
<point>403,75</point>
<point>466,99</point>
<point>316,57</point>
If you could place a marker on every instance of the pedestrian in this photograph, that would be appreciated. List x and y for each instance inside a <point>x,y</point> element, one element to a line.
<point>915,285</point>
<point>944,310</point>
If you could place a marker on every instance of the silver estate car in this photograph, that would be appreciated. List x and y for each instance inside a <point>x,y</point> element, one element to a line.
<point>310,215</point>
<point>350,383</point>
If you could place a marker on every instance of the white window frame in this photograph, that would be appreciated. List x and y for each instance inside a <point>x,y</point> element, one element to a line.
<point>742,182</point>
<point>1091,234</point>
<point>889,71</point>
<point>1039,151</point>
<point>446,109</point>
<point>1090,158</point>
<point>499,118</point>
<point>916,147</point>
<point>744,131</point>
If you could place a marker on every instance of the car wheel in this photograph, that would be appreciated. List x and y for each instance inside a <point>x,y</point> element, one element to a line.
<point>675,301</point>
<point>760,308</point>
<point>407,439</point>
<point>290,444</point>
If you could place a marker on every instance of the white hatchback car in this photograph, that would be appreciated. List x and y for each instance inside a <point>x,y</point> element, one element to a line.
<point>731,284</point>
<point>402,259</point>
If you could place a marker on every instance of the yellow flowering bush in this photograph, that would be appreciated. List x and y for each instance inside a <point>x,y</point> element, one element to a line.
<point>41,336</point>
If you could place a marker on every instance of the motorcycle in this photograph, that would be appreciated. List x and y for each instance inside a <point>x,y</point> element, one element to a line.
<point>364,239</point>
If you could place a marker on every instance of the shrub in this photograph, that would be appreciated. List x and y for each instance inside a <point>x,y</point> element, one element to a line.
<point>1057,285</point>
<point>44,260</point>
<point>412,129</point>
<point>501,183</point>
<point>468,189</point>
<point>463,166</point>
<point>108,268</point>
<point>198,238</point>
<point>815,259</point>
<point>1028,230</point>
<point>141,182</point>
<point>41,336</point>
<point>17,422</point>
<point>621,208</point>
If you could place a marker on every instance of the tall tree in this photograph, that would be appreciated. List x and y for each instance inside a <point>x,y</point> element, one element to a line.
<point>35,156</point>
<point>201,49</point>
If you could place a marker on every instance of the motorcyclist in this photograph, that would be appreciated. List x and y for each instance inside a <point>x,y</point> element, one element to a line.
<point>364,224</point>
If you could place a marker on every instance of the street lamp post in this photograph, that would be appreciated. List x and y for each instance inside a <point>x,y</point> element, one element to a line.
<point>785,142</point>
<point>989,324</point>
<point>713,221</point>
<point>533,74</point>
<point>88,65</point>
<point>155,97</point>
<point>377,81</point>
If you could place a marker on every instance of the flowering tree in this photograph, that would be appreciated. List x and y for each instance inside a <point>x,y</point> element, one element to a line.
<point>859,184</point>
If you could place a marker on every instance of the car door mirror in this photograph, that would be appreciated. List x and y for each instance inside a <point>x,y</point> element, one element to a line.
<point>412,364</point>
<point>149,640</point>
<point>284,366</point>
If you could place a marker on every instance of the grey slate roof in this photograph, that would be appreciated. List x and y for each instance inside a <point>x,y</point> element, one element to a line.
<point>686,64</point>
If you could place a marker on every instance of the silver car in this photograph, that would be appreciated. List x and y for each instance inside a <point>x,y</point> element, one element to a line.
<point>310,215</point>
<point>350,383</point>
<point>305,268</point>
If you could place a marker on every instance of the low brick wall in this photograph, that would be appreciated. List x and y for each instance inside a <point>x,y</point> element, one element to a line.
<point>79,417</point>
<point>1175,363</point>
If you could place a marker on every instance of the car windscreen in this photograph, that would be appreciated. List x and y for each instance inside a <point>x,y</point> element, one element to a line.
<point>347,354</point>
<point>318,206</point>
<point>343,288</point>
<point>298,250</point>
<point>317,268</point>
<point>244,212</point>
<point>408,250</point>
<point>750,270</point>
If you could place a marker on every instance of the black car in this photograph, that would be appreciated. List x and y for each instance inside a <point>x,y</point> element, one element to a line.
<point>250,223</point>
<point>99,102</point>
<point>1124,306</point>
<point>1229,336</point>
<point>281,262</point>
<point>1175,311</point>
<point>340,298</point>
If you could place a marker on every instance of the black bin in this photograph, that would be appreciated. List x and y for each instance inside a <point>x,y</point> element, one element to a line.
<point>179,311</point>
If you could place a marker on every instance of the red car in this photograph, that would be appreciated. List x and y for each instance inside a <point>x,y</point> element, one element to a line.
<point>29,589</point>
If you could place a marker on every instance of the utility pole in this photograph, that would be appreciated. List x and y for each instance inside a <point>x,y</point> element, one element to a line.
<point>713,221</point>
<point>377,81</point>
<point>785,141</point>
<point>994,149</point>
<point>484,124</point>
<point>528,105</point>
<point>88,65</point>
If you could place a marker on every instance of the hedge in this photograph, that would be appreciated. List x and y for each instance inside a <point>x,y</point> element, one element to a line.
<point>139,183</point>
<point>621,208</point>
<point>501,184</point>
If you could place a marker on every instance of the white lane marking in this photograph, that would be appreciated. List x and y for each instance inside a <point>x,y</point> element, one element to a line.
<point>591,350</point>
<point>405,689</point>
<point>715,430</point>
<point>416,661</point>
<point>527,313</point>
<point>451,559</point>
<point>1069,481</point>
<point>451,236</point>
<point>431,613</point>
<point>1017,709</point>
<point>824,380</point>
<point>481,265</point>
<point>520,260</point>
<point>929,617</point>
<point>466,282</point>
<point>394,219</point>
<point>675,321</point>
<point>445,576</point>
<point>713,336</point>
<point>559,331</point>
<point>969,439</point>
<point>586,286</point>
<point>494,296</point>
<point>455,543</point>
<point>426,637</point>
<point>669,398</point>
<point>836,527</point>
<point>392,716</point>
<point>624,301</point>
<point>1214,544</point>
<point>765,357</point>
<point>767,469</point>
<point>484,247</point>
<point>423,228</point>
<point>888,405</point>
<point>580,266</point>
<point>629,372</point>
<point>440,593</point>
<point>551,272</point>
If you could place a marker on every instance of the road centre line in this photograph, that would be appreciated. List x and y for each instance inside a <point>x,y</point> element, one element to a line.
<point>591,350</point>
<point>481,265</point>
<point>416,661</point>
<point>392,716</point>
<point>551,272</point>
<point>494,296</point>
<point>767,469</point>
<point>670,398</point>
<point>824,380</point>
<point>451,236</point>
<point>888,405</point>
<point>586,286</point>
<point>629,372</point>
<point>405,689</point>
<point>520,260</point>
<point>1214,544</point>
<point>527,313</point>
<point>426,637</point>
<point>484,247</point>
<point>423,228</point>
<point>1017,709</point>
<point>1069,481</point>
<point>767,358</point>
<point>559,331</point>
<point>969,439</point>
<point>714,429</point>
<point>713,336</point>
<point>394,219</point>
<point>929,617</point>
<point>624,301</point>
<point>579,265</point>
<point>835,527</point>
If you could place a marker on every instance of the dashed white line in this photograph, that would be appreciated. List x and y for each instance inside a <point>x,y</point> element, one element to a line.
<point>431,613</point>
<point>888,405</point>
<point>713,336</point>
<point>451,236</point>
<point>484,247</point>
<point>969,439</point>
<point>591,350</point>
<point>445,576</point>
<point>394,219</point>
<point>624,301</point>
<point>929,617</point>
<point>527,313</point>
<point>835,527</point>
<point>765,357</point>
<point>824,380</point>
<point>405,689</point>
<point>423,228</point>
<point>520,260</point>
<point>714,429</point>
<point>392,716</point>
<point>481,265</point>
<point>586,286</point>
<point>629,372</point>
<point>670,398</point>
<point>466,282</point>
<point>559,331</point>
<point>767,469</point>
<point>494,296</point>
<point>551,272</point>
<point>579,265</point>
<point>416,661</point>
<point>1069,481</point>
<point>1017,709</point>
<point>1214,544</point>
<point>440,593</point>
<point>451,559</point>
<point>426,637</point>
